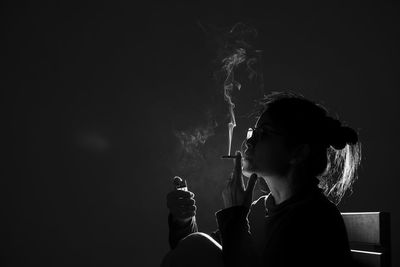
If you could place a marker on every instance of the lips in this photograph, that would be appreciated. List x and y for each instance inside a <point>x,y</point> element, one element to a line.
<point>247,154</point>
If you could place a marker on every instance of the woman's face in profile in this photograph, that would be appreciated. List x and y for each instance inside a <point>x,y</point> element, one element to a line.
<point>266,153</point>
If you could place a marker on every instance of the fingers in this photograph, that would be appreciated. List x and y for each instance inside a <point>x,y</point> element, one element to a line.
<point>263,185</point>
<point>237,173</point>
<point>180,202</point>
<point>178,198</point>
<point>183,212</point>
<point>182,208</point>
<point>251,183</point>
<point>238,162</point>
<point>184,215</point>
<point>180,194</point>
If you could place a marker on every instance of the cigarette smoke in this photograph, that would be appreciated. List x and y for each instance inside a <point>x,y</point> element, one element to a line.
<point>234,50</point>
<point>237,50</point>
<point>229,64</point>
<point>190,155</point>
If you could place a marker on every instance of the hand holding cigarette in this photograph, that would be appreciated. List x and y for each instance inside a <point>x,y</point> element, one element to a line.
<point>235,193</point>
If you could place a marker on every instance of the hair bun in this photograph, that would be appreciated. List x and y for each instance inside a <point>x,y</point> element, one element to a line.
<point>339,136</point>
<point>350,135</point>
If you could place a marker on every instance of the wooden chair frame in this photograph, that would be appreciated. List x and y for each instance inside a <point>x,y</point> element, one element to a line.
<point>369,237</point>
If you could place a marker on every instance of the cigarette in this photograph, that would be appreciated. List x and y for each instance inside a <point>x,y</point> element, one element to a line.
<point>229,157</point>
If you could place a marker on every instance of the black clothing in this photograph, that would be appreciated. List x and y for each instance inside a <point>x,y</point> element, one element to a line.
<point>305,230</point>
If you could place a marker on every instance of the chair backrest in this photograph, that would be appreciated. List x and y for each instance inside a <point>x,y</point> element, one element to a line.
<point>369,236</point>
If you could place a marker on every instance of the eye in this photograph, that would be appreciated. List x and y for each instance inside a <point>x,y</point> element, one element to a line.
<point>263,132</point>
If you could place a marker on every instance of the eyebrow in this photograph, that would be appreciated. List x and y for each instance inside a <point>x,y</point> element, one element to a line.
<point>271,128</point>
<point>265,125</point>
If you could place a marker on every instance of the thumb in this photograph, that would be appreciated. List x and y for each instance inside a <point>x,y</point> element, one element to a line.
<point>252,182</point>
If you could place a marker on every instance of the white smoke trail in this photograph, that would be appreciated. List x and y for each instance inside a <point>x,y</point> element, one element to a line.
<point>237,49</point>
<point>190,152</point>
<point>191,140</point>
<point>229,65</point>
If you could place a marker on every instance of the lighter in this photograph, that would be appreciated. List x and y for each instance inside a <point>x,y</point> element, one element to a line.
<point>180,184</point>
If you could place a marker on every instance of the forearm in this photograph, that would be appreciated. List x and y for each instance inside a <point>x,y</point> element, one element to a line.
<point>237,244</point>
<point>178,232</point>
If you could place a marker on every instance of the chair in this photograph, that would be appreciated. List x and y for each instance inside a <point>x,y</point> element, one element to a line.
<point>369,236</point>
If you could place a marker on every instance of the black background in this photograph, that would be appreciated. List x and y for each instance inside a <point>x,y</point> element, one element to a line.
<point>95,92</point>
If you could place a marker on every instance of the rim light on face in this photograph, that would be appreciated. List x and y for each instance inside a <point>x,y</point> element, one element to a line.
<point>258,132</point>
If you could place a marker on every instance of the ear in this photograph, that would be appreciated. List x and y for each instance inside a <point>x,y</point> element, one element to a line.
<point>300,154</point>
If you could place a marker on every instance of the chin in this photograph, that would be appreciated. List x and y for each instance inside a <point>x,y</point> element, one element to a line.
<point>248,167</point>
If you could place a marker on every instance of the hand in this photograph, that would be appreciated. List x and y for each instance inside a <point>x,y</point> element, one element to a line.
<point>235,194</point>
<point>181,204</point>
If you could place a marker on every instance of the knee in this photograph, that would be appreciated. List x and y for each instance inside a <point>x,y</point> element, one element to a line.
<point>197,249</point>
<point>199,240</point>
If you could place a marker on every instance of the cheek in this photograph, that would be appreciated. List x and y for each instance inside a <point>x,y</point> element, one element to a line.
<point>257,163</point>
<point>248,167</point>
<point>271,158</point>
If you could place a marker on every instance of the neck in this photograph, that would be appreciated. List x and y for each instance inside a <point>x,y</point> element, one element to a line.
<point>281,189</point>
<point>284,187</point>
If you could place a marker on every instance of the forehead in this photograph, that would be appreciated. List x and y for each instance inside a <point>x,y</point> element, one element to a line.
<point>264,119</point>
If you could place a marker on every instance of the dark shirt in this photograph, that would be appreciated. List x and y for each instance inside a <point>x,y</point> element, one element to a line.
<point>305,230</point>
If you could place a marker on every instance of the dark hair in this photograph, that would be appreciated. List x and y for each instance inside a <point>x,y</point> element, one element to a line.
<point>335,152</point>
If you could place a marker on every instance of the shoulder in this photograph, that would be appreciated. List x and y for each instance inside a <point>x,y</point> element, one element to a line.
<point>316,204</point>
<point>313,215</point>
<point>322,208</point>
<point>321,221</point>
<point>312,230</point>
